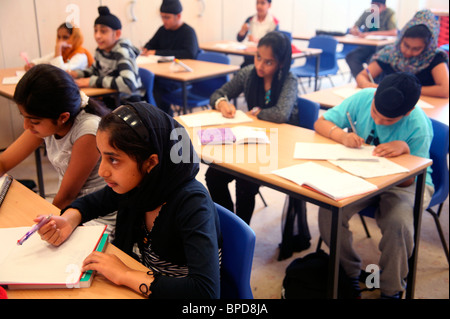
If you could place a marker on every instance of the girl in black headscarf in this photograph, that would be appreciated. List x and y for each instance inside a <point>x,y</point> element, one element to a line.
<point>270,90</point>
<point>150,166</point>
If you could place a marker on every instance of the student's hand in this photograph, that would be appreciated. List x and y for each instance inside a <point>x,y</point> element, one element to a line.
<point>73,74</point>
<point>28,66</point>
<point>391,149</point>
<point>228,110</point>
<point>83,82</point>
<point>355,31</point>
<point>244,29</point>
<point>108,265</point>
<point>352,140</point>
<point>56,231</point>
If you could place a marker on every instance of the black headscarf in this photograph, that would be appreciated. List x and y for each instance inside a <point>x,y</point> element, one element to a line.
<point>282,52</point>
<point>178,164</point>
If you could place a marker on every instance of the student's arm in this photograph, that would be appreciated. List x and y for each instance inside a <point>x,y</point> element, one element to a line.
<point>125,82</point>
<point>19,150</point>
<point>332,131</point>
<point>83,160</point>
<point>230,90</point>
<point>441,80</point>
<point>363,80</point>
<point>244,30</point>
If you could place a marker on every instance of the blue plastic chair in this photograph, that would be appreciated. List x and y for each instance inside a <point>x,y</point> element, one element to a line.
<point>328,60</point>
<point>238,246</point>
<point>438,153</point>
<point>308,112</point>
<point>148,80</point>
<point>200,92</point>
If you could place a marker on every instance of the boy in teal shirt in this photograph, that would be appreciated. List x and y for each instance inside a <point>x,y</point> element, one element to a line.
<point>388,118</point>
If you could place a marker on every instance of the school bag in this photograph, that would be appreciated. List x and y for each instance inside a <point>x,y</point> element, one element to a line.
<point>306,278</point>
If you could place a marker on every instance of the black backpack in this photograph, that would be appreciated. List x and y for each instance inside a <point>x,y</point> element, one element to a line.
<point>306,278</point>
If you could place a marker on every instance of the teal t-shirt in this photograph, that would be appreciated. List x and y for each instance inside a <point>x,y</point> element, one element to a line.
<point>415,129</point>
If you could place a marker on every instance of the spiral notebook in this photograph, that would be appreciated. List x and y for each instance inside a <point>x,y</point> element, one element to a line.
<point>39,265</point>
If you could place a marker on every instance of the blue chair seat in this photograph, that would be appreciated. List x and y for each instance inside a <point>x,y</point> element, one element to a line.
<point>238,246</point>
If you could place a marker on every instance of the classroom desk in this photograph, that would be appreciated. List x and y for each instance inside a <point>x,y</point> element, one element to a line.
<point>349,39</point>
<point>279,154</point>
<point>327,99</point>
<point>230,47</point>
<point>7,90</point>
<point>202,70</point>
<point>19,208</point>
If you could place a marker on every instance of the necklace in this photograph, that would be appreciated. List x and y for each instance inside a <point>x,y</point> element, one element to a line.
<point>267,96</point>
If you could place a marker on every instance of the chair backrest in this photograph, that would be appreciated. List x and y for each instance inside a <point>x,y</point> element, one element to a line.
<point>148,80</point>
<point>438,153</point>
<point>206,88</point>
<point>328,59</point>
<point>308,112</point>
<point>238,246</point>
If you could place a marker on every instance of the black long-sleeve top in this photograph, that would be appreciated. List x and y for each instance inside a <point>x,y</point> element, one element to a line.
<point>181,43</point>
<point>186,232</point>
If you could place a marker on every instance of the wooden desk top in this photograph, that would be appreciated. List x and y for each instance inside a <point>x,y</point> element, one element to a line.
<point>327,99</point>
<point>7,90</point>
<point>349,39</point>
<point>236,48</point>
<point>19,208</point>
<point>280,154</point>
<point>201,70</point>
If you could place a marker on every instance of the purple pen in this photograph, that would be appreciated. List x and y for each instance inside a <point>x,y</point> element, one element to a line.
<point>34,229</point>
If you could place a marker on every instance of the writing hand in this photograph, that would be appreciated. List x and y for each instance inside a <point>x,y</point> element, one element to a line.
<point>56,231</point>
<point>352,140</point>
<point>228,110</point>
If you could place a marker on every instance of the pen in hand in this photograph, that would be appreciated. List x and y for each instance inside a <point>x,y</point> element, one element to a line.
<point>351,123</point>
<point>366,67</point>
<point>34,229</point>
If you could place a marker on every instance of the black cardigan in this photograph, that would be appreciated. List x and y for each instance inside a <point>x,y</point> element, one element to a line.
<point>186,232</point>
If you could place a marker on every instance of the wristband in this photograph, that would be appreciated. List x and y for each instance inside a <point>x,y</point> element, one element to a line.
<point>331,130</point>
<point>218,101</point>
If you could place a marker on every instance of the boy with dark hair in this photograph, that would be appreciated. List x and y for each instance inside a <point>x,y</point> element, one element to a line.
<point>115,60</point>
<point>388,118</point>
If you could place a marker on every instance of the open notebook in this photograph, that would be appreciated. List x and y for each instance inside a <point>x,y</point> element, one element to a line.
<point>37,264</point>
<point>237,134</point>
<point>326,181</point>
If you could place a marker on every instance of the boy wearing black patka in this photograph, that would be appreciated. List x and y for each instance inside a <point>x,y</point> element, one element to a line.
<point>388,118</point>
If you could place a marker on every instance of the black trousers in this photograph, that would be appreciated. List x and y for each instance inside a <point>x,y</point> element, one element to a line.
<point>357,57</point>
<point>217,183</point>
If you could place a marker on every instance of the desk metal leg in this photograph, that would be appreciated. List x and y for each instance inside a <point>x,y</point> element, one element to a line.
<point>317,72</point>
<point>418,209</point>
<point>335,246</point>
<point>185,99</point>
<point>40,178</point>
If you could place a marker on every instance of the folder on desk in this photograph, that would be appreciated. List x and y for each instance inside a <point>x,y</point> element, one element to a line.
<point>326,181</point>
<point>213,118</point>
<point>5,182</point>
<point>39,265</point>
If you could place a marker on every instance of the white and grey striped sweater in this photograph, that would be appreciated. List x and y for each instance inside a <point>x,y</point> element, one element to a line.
<point>116,69</point>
